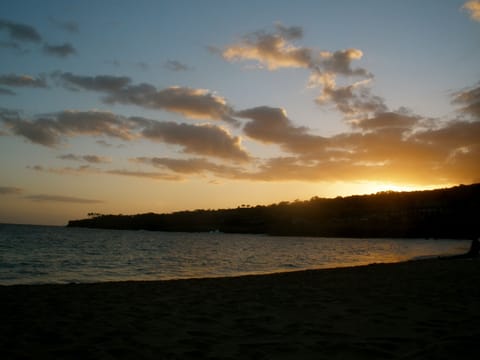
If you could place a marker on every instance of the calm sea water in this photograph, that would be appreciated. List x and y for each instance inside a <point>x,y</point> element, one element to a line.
<point>42,254</point>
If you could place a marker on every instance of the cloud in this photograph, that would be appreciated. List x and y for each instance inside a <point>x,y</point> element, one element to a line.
<point>352,100</point>
<point>88,170</point>
<point>69,26</point>
<point>388,120</point>
<point>102,83</point>
<point>23,81</point>
<point>392,146</point>
<point>175,65</point>
<point>9,45</point>
<point>146,175</point>
<point>190,102</point>
<point>60,198</point>
<point>13,45</point>
<point>51,130</point>
<point>271,125</point>
<point>470,101</point>
<point>94,159</point>
<point>473,7</point>
<point>192,166</point>
<point>272,50</point>
<point>142,65</point>
<point>203,139</point>
<point>289,32</point>
<point>20,32</point>
<point>396,146</point>
<point>10,190</point>
<point>276,50</point>
<point>103,143</point>
<point>62,50</point>
<point>67,170</point>
<point>7,92</point>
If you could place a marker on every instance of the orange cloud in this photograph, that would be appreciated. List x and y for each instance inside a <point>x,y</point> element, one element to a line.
<point>473,7</point>
<point>276,50</point>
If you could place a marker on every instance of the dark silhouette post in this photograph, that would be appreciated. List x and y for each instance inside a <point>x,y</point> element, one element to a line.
<point>474,248</point>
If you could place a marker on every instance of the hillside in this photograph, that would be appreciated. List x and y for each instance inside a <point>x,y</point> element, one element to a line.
<point>442,213</point>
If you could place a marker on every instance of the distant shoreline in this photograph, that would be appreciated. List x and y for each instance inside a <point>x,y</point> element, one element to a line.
<point>442,214</point>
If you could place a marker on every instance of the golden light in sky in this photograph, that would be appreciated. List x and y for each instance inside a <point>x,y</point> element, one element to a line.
<point>242,106</point>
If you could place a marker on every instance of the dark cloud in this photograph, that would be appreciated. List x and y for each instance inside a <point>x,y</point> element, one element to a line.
<point>289,32</point>
<point>454,136</point>
<point>193,166</point>
<point>142,65</point>
<point>145,175</point>
<point>190,102</point>
<point>175,65</point>
<point>102,83</point>
<point>69,26</point>
<point>352,100</point>
<point>38,168</point>
<point>89,170</point>
<point>340,62</point>
<point>271,125</point>
<point>51,130</point>
<point>94,159</point>
<point>23,81</point>
<point>469,99</point>
<point>40,132</point>
<point>388,120</point>
<point>204,139</point>
<point>7,92</point>
<point>60,198</point>
<point>62,50</point>
<point>20,32</point>
<point>10,45</point>
<point>10,190</point>
<point>114,62</point>
<point>67,170</point>
<point>103,143</point>
<point>48,131</point>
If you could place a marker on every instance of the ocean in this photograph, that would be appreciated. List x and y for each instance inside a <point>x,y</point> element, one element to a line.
<point>46,254</point>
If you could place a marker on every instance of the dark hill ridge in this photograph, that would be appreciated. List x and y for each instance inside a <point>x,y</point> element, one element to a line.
<point>444,213</point>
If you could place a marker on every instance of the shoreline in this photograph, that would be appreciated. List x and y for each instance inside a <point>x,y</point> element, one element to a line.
<point>241,275</point>
<point>418,309</point>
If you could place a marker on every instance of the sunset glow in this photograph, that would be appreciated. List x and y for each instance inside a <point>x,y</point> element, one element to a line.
<point>133,107</point>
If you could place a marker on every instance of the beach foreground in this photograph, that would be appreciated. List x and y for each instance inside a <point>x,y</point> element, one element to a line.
<point>427,309</point>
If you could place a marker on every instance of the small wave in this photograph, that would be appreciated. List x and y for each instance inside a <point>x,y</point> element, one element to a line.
<point>290,266</point>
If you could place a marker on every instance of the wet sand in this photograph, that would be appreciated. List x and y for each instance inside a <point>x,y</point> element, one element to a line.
<point>428,309</point>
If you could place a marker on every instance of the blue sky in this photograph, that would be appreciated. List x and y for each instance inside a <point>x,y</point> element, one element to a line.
<point>126,107</point>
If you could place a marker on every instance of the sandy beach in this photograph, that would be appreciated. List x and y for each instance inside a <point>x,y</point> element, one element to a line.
<point>427,309</point>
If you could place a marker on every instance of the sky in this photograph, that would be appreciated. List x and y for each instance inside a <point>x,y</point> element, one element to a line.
<point>125,107</point>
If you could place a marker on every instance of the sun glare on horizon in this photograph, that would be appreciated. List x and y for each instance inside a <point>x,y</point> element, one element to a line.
<point>374,187</point>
